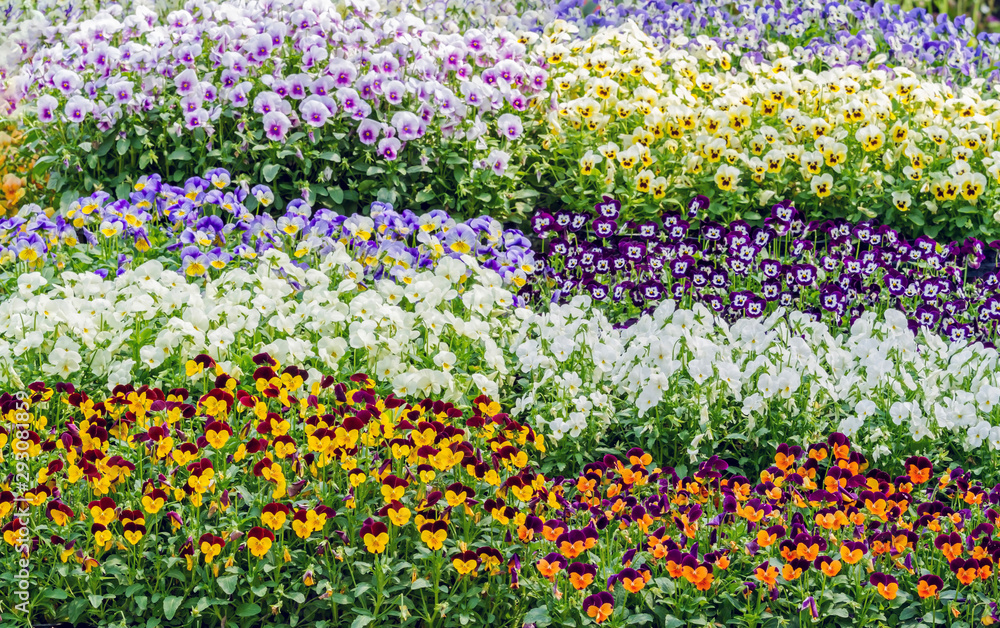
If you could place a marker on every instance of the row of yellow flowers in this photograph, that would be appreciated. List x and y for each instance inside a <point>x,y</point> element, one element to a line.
<point>855,141</point>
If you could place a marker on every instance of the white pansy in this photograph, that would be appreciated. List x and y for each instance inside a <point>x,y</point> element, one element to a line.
<point>978,433</point>
<point>219,339</point>
<point>28,283</point>
<point>62,363</point>
<point>701,370</point>
<point>445,360</point>
<point>767,385</point>
<point>994,438</point>
<point>900,411</point>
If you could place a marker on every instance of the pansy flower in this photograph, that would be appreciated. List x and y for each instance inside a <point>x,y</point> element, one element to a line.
<point>542,222</point>
<point>581,575</point>
<point>375,536</point>
<point>599,606</point>
<point>274,515</point>
<point>465,562</point>
<point>886,585</point>
<point>551,564</point>
<point>210,546</point>
<point>259,541</point>
<point>919,469</point>
<point>608,208</point>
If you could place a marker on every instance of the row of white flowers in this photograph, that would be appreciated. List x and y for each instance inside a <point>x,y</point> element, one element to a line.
<point>877,381</point>
<point>144,325</point>
<point>454,331</point>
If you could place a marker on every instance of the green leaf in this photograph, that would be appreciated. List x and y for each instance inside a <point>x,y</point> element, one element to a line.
<point>75,609</point>
<point>95,600</point>
<point>341,598</point>
<point>228,583</point>
<point>170,606</point>
<point>141,601</point>
<point>337,194</point>
<point>122,146</point>
<point>270,171</point>
<point>424,195</point>
<point>538,616</point>
<point>373,170</point>
<point>248,610</point>
<point>361,621</point>
<point>43,163</point>
<point>641,618</point>
<point>132,590</point>
<point>297,596</point>
<point>55,594</point>
<point>330,156</point>
<point>180,154</point>
<point>361,589</point>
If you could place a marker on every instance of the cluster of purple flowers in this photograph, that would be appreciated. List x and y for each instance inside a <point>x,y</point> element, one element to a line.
<point>278,68</point>
<point>833,270</point>
<point>206,225</point>
<point>833,32</point>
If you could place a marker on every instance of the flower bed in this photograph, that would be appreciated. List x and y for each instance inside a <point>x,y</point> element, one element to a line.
<point>833,271</point>
<point>366,106</point>
<point>428,304</point>
<point>683,381</point>
<point>833,33</point>
<point>375,107</point>
<point>261,367</point>
<point>307,499</point>
<point>654,126</point>
<point>289,496</point>
<point>210,223</point>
